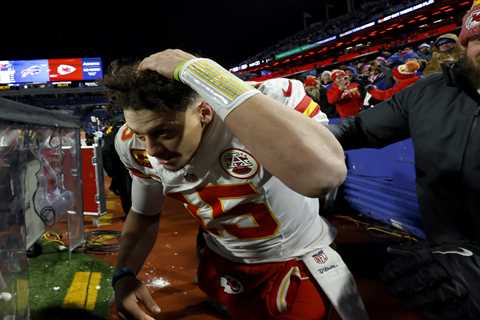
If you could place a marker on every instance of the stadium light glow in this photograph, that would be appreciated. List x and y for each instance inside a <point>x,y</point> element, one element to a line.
<point>306,47</point>
<point>405,11</point>
<point>365,26</point>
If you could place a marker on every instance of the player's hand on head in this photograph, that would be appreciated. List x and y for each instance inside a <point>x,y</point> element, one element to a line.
<point>165,62</point>
<point>129,293</point>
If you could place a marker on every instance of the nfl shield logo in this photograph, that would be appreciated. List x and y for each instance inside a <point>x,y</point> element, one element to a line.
<point>320,257</point>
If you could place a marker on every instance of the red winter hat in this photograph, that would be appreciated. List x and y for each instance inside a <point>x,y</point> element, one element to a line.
<point>310,81</point>
<point>471,24</point>
<point>338,73</point>
<point>407,70</point>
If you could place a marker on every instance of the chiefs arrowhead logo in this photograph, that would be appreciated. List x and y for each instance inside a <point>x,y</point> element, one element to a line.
<point>65,69</point>
<point>473,20</point>
<point>238,163</point>
<point>288,92</point>
<point>231,285</point>
<point>140,157</point>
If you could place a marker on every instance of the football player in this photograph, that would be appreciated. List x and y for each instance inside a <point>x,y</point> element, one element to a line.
<point>242,161</point>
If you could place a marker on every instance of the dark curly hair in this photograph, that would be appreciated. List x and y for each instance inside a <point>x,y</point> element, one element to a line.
<point>130,89</point>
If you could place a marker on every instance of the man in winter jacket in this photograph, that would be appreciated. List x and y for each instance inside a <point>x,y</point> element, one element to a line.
<point>345,95</point>
<point>441,114</point>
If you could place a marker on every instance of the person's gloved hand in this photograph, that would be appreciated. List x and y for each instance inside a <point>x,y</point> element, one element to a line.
<point>442,281</point>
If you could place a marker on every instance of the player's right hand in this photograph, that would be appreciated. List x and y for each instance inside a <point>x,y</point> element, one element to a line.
<point>129,293</point>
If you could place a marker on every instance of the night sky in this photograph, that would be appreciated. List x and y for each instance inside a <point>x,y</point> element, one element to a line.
<point>227,31</point>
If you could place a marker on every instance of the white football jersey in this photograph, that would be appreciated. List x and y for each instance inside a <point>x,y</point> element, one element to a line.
<point>250,216</point>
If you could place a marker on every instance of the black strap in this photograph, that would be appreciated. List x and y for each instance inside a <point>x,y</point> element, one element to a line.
<point>122,273</point>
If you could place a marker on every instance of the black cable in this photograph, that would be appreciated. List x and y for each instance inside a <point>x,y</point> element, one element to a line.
<point>46,214</point>
<point>99,246</point>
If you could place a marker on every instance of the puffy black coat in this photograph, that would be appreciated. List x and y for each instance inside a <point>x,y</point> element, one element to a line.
<point>441,115</point>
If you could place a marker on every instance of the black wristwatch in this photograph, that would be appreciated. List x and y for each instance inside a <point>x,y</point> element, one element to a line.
<point>122,273</point>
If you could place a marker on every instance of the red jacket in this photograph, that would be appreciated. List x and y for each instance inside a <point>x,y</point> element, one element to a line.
<point>383,95</point>
<point>348,102</point>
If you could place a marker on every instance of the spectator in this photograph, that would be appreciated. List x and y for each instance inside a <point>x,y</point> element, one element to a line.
<point>329,109</point>
<point>351,73</point>
<point>364,72</point>
<point>326,79</point>
<point>312,85</point>
<point>381,74</point>
<point>345,95</point>
<point>319,94</point>
<point>402,56</point>
<point>405,75</point>
<point>446,42</point>
<point>353,77</point>
<point>447,49</point>
<point>425,51</point>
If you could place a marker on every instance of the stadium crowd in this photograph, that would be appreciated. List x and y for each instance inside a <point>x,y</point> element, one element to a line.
<point>350,88</point>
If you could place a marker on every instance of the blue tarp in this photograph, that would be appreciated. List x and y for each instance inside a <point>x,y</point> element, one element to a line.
<point>381,185</point>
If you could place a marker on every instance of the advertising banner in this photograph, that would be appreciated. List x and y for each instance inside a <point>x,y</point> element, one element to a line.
<point>65,69</point>
<point>43,71</point>
<point>7,73</point>
<point>92,68</point>
<point>28,71</point>
<point>23,71</point>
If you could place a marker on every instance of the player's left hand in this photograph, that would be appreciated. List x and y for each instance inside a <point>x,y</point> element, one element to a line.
<point>165,62</point>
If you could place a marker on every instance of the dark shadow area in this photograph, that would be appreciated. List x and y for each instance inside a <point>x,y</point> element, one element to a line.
<point>365,259</point>
<point>59,313</point>
<point>202,308</point>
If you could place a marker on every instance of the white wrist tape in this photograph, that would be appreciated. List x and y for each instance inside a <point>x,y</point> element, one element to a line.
<point>217,86</point>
